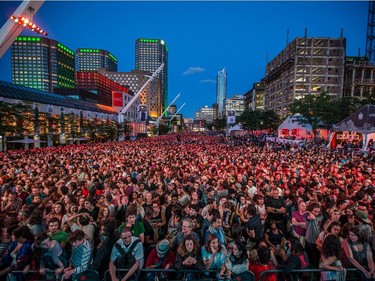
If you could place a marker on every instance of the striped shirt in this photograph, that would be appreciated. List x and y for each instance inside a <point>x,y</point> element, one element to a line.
<point>81,257</point>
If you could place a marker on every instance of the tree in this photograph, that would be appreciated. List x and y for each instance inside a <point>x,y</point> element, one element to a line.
<point>269,120</point>
<point>219,124</point>
<point>12,117</point>
<point>250,120</point>
<point>322,111</point>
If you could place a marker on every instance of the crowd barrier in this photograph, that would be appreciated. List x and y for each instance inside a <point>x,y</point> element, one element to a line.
<point>310,274</point>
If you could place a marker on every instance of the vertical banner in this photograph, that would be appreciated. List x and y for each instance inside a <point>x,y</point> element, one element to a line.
<point>117,99</point>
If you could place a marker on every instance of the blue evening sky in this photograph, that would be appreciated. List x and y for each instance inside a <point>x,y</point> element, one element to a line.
<point>202,37</point>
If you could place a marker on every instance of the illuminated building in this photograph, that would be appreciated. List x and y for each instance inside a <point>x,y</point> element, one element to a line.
<point>149,55</point>
<point>94,59</point>
<point>42,63</point>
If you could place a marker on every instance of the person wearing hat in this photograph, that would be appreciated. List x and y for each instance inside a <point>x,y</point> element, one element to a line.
<point>161,257</point>
<point>364,224</point>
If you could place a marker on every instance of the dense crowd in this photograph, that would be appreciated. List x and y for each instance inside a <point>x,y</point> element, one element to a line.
<point>220,206</point>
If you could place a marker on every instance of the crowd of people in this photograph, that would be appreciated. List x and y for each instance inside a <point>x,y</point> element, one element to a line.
<point>208,206</point>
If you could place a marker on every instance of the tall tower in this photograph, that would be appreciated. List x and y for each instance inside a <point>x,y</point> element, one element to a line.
<point>42,63</point>
<point>221,91</point>
<point>149,55</point>
<point>93,59</point>
<point>370,38</point>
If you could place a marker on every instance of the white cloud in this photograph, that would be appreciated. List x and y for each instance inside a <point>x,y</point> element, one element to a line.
<point>193,70</point>
<point>208,81</point>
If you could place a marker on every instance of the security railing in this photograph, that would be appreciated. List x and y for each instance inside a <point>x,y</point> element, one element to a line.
<point>308,273</point>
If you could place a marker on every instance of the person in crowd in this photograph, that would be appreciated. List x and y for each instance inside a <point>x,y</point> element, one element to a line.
<point>19,254</point>
<point>359,253</point>
<point>295,260</point>
<point>188,257</point>
<point>127,244</point>
<point>52,255</point>
<point>276,208</point>
<point>81,256</point>
<point>299,222</point>
<point>262,264</point>
<point>136,226</point>
<point>216,228</point>
<point>331,253</point>
<point>332,229</point>
<point>237,261</point>
<point>108,237</point>
<point>254,226</point>
<point>313,219</point>
<point>275,240</point>
<point>12,205</point>
<point>214,256</point>
<point>186,230</point>
<point>161,257</point>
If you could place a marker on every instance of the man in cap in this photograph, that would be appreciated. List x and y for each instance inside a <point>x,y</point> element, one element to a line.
<point>161,257</point>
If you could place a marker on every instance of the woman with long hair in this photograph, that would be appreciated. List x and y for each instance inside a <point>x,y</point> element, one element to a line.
<point>275,239</point>
<point>73,210</point>
<point>237,261</point>
<point>359,253</point>
<point>331,253</point>
<point>58,211</point>
<point>214,256</point>
<point>188,257</point>
<point>104,213</point>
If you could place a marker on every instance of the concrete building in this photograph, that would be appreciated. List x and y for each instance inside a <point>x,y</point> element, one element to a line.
<point>93,59</point>
<point>221,92</point>
<point>149,55</point>
<point>42,63</point>
<point>254,98</point>
<point>134,80</point>
<point>359,81</point>
<point>205,114</point>
<point>234,106</point>
<point>306,66</point>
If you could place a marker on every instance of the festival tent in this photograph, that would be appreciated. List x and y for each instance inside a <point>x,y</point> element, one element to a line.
<point>360,126</point>
<point>292,127</point>
<point>236,130</point>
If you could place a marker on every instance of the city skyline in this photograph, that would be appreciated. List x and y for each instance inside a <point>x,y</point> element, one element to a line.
<point>202,37</point>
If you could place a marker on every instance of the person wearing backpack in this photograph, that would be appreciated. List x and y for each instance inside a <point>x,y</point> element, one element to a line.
<point>127,253</point>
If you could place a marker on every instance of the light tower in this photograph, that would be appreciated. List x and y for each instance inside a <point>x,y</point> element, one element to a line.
<point>370,38</point>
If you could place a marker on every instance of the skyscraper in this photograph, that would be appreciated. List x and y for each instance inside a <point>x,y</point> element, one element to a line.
<point>42,63</point>
<point>93,59</point>
<point>149,55</point>
<point>221,91</point>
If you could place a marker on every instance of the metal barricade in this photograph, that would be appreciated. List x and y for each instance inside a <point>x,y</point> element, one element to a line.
<point>309,271</point>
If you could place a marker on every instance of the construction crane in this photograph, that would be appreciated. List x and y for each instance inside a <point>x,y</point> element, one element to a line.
<point>11,29</point>
<point>370,38</point>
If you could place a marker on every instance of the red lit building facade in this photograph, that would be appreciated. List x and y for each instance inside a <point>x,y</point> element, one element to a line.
<point>99,85</point>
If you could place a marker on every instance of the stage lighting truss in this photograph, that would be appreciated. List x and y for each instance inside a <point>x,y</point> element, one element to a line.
<point>24,21</point>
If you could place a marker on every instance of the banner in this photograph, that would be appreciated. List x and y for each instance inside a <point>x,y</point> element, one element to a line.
<point>117,99</point>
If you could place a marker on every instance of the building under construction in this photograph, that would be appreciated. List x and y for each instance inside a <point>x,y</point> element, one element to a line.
<point>305,66</point>
<point>359,81</point>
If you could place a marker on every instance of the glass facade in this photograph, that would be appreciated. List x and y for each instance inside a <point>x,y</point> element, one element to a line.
<point>94,59</point>
<point>150,54</point>
<point>42,63</point>
<point>221,91</point>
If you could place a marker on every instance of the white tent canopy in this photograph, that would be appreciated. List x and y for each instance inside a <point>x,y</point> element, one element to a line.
<point>292,127</point>
<point>235,130</point>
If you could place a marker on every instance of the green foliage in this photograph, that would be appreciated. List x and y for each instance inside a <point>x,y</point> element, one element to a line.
<point>12,117</point>
<point>322,111</point>
<point>259,120</point>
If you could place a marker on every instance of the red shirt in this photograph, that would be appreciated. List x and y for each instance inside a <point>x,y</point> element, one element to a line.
<point>153,259</point>
<point>257,269</point>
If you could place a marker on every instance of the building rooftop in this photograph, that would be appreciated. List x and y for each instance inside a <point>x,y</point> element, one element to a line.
<point>14,91</point>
